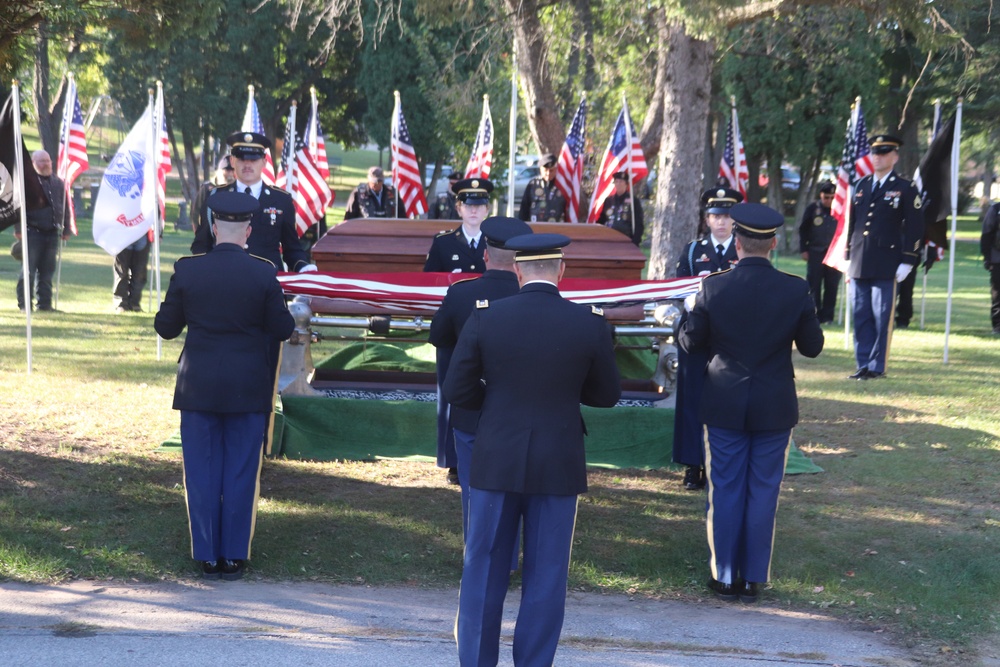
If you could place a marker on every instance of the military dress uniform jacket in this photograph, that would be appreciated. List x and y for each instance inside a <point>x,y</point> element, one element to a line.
<point>886,228</point>
<point>462,298</point>
<point>450,253</point>
<point>444,208</point>
<point>542,201</point>
<point>700,258</point>
<point>234,310</point>
<point>273,227</point>
<point>750,381</point>
<point>816,229</point>
<point>617,214</point>
<point>527,362</point>
<point>364,203</point>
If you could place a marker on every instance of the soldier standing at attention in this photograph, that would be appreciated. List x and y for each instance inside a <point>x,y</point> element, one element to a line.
<point>374,199</point>
<point>234,311</point>
<point>617,210</point>
<point>884,238</point>
<point>445,206</point>
<point>460,250</point>
<point>542,201</point>
<point>715,252</point>
<point>273,223</point>
<point>815,235</point>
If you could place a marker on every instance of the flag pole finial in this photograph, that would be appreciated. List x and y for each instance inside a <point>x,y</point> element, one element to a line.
<point>149,90</point>
<point>250,88</point>
<point>295,103</point>
<point>486,97</point>
<point>732,100</point>
<point>395,94</point>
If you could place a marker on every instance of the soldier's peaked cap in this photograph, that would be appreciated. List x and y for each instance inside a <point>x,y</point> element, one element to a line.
<point>473,191</point>
<point>756,221</point>
<point>720,199</point>
<point>248,145</point>
<point>232,206</point>
<point>884,143</point>
<point>498,230</point>
<point>533,247</point>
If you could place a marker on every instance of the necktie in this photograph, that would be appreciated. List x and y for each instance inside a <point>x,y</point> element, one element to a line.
<point>721,249</point>
<point>472,244</point>
<point>249,191</point>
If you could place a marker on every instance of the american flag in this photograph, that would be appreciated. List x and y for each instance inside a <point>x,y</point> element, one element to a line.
<point>315,143</point>
<point>73,159</point>
<point>404,165</point>
<point>162,151</point>
<point>624,154</point>
<point>855,164</point>
<point>302,178</point>
<point>482,152</point>
<point>251,123</point>
<point>569,171</point>
<point>733,166</point>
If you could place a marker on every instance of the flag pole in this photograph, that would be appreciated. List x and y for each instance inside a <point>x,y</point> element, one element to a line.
<point>628,138</point>
<point>62,169</point>
<point>15,99</point>
<point>923,290</point>
<point>512,136</point>
<point>955,156</point>
<point>154,136</point>
<point>848,283</point>
<point>393,158</point>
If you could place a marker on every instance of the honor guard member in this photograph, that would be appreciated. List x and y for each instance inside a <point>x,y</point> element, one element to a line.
<point>463,297</point>
<point>234,310</point>
<point>542,201</point>
<point>374,199</point>
<point>617,210</point>
<point>460,250</point>
<point>527,362</point>
<point>444,207</point>
<point>273,222</point>
<point>989,245</point>
<point>223,176</point>
<point>815,236</point>
<point>701,257</point>
<point>747,319</point>
<point>884,237</point>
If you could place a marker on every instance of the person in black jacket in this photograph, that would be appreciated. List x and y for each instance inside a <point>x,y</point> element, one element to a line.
<point>617,210</point>
<point>746,320</point>
<point>527,362</point>
<point>816,233</point>
<point>233,308</point>
<point>462,298</point>
<point>46,226</point>
<point>460,250</point>
<point>989,245</point>
<point>273,224</point>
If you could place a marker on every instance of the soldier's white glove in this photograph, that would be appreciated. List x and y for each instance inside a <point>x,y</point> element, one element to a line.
<point>902,271</point>
<point>689,302</point>
<point>308,268</point>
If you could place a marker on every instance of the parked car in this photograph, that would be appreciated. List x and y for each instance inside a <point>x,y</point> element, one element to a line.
<point>441,186</point>
<point>790,179</point>
<point>522,176</point>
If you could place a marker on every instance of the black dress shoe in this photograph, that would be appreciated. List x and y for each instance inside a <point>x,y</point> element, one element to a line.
<point>873,375</point>
<point>210,569</point>
<point>694,478</point>
<point>233,569</point>
<point>859,374</point>
<point>453,475</point>
<point>747,592</point>
<point>722,591</point>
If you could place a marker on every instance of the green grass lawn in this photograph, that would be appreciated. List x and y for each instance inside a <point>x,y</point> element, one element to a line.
<point>899,533</point>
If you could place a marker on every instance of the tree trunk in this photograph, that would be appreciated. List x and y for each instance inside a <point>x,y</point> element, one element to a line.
<point>687,94</point>
<point>48,136</point>
<point>652,124</point>
<point>536,80</point>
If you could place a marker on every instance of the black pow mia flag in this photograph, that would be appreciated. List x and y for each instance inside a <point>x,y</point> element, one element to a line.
<point>10,205</point>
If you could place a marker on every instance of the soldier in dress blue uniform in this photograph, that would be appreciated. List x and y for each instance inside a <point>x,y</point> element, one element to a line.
<point>747,319</point>
<point>445,206</point>
<point>462,298</point>
<point>374,199</point>
<point>527,362</point>
<point>542,201</point>
<point>884,237</point>
<point>617,210</point>
<point>700,258</point>
<point>460,250</point>
<point>273,222</point>
<point>816,232</point>
<point>234,310</point>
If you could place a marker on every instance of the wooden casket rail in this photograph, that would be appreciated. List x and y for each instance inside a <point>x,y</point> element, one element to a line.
<point>392,245</point>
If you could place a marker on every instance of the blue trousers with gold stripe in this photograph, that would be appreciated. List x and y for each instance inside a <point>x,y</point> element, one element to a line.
<point>744,471</point>
<point>874,301</point>
<point>494,517</point>
<point>222,458</point>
